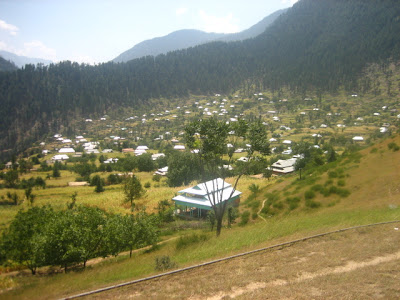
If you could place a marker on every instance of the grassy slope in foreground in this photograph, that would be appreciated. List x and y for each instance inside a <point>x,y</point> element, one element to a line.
<point>373,182</point>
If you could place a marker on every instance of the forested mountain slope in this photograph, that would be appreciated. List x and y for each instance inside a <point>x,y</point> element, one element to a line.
<point>186,38</point>
<point>21,61</point>
<point>317,44</point>
<point>6,65</point>
<point>176,40</point>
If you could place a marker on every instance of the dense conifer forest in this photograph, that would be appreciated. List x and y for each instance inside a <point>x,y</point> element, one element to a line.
<point>316,45</point>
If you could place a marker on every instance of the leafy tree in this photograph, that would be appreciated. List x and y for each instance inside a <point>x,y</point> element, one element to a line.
<point>232,215</point>
<point>72,204</point>
<point>254,189</point>
<point>212,144</point>
<point>165,211</point>
<point>139,231</point>
<point>183,167</point>
<point>133,189</point>
<point>56,169</point>
<point>75,236</point>
<point>267,173</point>
<point>24,240</point>
<point>145,163</point>
<point>99,186</point>
<point>11,178</point>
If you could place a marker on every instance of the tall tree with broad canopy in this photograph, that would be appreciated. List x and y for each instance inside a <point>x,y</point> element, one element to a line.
<point>24,241</point>
<point>211,137</point>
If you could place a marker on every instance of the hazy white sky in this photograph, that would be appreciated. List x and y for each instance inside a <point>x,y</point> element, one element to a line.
<point>98,30</point>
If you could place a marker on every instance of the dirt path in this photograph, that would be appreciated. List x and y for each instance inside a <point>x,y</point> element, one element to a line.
<point>259,212</point>
<point>349,267</point>
<point>361,264</point>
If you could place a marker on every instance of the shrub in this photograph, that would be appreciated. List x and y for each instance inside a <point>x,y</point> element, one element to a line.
<point>156,177</point>
<point>293,202</point>
<point>147,185</point>
<point>244,218</point>
<point>114,179</point>
<point>312,204</point>
<point>254,216</point>
<point>317,188</point>
<point>343,192</point>
<point>309,195</point>
<point>374,150</point>
<point>278,205</point>
<point>328,182</point>
<point>164,263</point>
<point>332,174</point>
<point>393,146</point>
<point>341,182</point>
<point>187,240</point>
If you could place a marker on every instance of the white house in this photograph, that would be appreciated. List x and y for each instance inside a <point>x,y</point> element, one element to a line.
<point>243,159</point>
<point>66,150</point>
<point>204,195</point>
<point>282,167</point>
<point>162,171</point>
<point>60,157</point>
<point>358,138</point>
<point>139,152</point>
<point>142,148</point>
<point>157,156</point>
<point>179,147</point>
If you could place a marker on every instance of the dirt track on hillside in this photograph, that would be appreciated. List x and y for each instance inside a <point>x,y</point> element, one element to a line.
<point>359,264</point>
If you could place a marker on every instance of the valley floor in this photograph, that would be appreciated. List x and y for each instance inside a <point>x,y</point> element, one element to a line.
<point>357,264</point>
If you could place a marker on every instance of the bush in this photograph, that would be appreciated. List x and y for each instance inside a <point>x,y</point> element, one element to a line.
<point>147,185</point>
<point>341,182</point>
<point>293,202</point>
<point>393,146</point>
<point>114,179</point>
<point>244,218</point>
<point>332,174</point>
<point>312,204</point>
<point>164,263</point>
<point>254,215</point>
<point>317,188</point>
<point>156,177</point>
<point>343,192</point>
<point>187,240</point>
<point>278,205</point>
<point>309,195</point>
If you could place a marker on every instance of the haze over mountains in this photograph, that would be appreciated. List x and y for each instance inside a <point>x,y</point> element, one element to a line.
<point>317,45</point>
<point>186,38</point>
<point>21,61</point>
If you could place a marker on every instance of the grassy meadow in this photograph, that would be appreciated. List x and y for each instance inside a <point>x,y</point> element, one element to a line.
<point>371,176</point>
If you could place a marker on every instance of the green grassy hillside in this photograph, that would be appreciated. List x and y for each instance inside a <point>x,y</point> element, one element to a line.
<point>371,177</point>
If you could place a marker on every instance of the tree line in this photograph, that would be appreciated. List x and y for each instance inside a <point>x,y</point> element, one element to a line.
<point>41,236</point>
<point>316,45</point>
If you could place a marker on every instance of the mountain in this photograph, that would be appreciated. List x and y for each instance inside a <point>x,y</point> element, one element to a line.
<point>6,65</point>
<point>317,45</point>
<point>180,39</point>
<point>21,61</point>
<point>186,38</point>
<point>254,30</point>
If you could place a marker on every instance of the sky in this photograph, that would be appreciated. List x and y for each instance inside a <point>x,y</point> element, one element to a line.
<point>94,31</point>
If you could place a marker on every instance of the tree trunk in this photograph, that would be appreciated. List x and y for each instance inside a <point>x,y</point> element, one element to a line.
<point>219,225</point>
<point>130,253</point>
